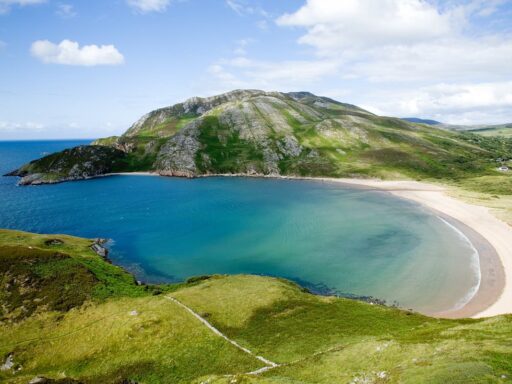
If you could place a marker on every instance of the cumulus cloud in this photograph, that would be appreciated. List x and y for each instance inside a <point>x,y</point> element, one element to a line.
<point>334,25</point>
<point>397,40</point>
<point>145,6</point>
<point>70,53</point>
<point>458,97</point>
<point>454,103</point>
<point>398,57</point>
<point>6,5</point>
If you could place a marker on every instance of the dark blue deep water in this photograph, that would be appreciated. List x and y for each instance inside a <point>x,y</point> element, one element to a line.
<point>322,235</point>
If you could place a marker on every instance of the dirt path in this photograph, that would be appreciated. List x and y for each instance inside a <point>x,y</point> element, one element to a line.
<point>269,364</point>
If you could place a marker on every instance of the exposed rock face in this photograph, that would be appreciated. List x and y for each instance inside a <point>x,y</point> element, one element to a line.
<point>177,156</point>
<point>98,246</point>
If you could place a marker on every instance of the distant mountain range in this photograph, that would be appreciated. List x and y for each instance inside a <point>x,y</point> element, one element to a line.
<point>489,129</point>
<point>421,121</point>
<point>253,132</point>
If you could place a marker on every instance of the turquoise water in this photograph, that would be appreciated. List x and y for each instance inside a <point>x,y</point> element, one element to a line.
<point>324,236</point>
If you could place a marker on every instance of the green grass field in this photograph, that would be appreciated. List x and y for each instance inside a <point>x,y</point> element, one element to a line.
<point>111,329</point>
<point>503,131</point>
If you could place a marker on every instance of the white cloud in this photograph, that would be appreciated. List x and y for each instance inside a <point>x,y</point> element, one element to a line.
<point>66,11</point>
<point>6,5</point>
<point>403,40</point>
<point>241,72</point>
<point>394,57</point>
<point>70,53</point>
<point>450,59</point>
<point>9,126</point>
<point>145,6</point>
<point>407,57</point>
<point>335,25</point>
<point>463,103</point>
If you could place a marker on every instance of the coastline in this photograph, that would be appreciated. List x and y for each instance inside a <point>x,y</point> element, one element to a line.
<point>491,237</point>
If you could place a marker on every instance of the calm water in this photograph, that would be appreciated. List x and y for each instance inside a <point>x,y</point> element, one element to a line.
<point>322,235</point>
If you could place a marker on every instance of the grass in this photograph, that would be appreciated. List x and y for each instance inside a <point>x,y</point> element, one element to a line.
<point>109,342</point>
<point>223,151</point>
<point>128,332</point>
<point>331,340</point>
<point>35,278</point>
<point>502,131</point>
<point>84,325</point>
<point>47,262</point>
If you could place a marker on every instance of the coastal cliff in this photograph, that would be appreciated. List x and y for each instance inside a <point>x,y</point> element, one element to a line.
<point>254,132</point>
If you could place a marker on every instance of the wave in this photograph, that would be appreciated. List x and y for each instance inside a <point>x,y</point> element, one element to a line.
<point>475,266</point>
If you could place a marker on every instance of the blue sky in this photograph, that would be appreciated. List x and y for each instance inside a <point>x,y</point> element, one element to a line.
<point>71,69</point>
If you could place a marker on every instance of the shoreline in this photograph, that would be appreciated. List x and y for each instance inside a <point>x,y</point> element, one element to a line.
<point>490,236</point>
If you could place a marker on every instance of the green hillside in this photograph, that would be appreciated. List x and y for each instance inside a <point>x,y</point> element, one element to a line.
<point>69,316</point>
<point>499,130</point>
<point>272,133</point>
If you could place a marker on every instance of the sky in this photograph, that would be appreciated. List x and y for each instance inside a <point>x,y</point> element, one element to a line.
<point>90,68</point>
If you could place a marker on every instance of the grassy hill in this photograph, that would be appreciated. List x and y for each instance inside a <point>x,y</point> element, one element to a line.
<point>272,133</point>
<point>88,321</point>
<point>498,130</point>
<point>478,128</point>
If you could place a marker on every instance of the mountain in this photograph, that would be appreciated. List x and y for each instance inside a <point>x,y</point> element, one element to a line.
<point>421,121</point>
<point>69,316</point>
<point>503,130</point>
<point>254,132</point>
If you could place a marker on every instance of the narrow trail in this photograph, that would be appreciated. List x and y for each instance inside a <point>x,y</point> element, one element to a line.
<point>269,364</point>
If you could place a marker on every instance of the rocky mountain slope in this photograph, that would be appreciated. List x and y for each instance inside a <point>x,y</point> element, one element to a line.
<point>271,133</point>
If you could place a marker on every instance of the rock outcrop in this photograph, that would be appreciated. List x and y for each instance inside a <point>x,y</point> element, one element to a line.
<point>77,163</point>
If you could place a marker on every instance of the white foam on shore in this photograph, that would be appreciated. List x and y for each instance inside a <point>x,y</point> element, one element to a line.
<point>475,266</point>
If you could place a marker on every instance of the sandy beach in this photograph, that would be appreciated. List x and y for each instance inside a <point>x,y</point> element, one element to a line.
<point>489,235</point>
